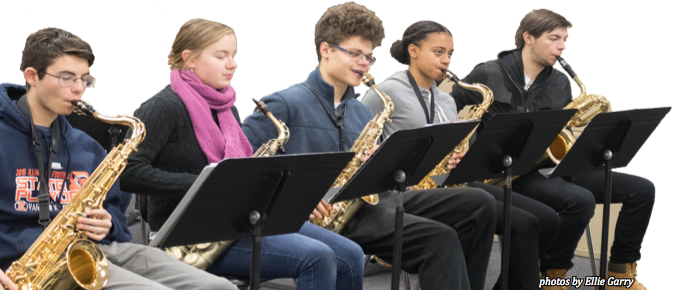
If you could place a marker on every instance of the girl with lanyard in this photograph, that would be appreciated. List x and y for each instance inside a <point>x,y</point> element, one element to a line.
<point>426,48</point>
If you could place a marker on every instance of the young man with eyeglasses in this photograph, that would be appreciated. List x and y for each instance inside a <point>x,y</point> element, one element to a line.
<point>448,233</point>
<point>56,65</point>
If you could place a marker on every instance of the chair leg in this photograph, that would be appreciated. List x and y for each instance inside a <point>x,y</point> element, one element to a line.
<point>590,246</point>
<point>407,280</point>
<point>500,243</point>
<point>144,233</point>
<point>367,260</point>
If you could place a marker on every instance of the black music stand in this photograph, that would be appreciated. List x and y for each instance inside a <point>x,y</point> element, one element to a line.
<point>610,141</point>
<point>402,160</point>
<point>508,145</point>
<point>246,197</point>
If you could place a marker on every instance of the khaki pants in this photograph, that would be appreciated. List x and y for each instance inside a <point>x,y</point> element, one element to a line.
<point>139,267</point>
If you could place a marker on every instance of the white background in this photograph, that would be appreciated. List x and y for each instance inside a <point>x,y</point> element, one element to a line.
<point>623,51</point>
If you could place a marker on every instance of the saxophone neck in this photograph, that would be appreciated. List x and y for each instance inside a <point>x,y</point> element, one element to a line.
<point>137,127</point>
<point>480,88</point>
<point>282,129</point>
<point>572,74</point>
<point>387,102</point>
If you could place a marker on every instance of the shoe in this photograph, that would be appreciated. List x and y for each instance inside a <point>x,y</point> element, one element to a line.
<point>554,274</point>
<point>615,271</point>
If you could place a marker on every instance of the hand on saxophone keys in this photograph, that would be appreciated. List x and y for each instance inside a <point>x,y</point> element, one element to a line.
<point>369,153</point>
<point>97,224</point>
<point>323,209</point>
<point>455,159</point>
<point>5,283</point>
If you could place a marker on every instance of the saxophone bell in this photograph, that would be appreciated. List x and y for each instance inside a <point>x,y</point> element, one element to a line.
<point>62,257</point>
<point>588,106</point>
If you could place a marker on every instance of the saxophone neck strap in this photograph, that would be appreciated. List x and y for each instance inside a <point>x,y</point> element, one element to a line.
<point>429,114</point>
<point>337,119</point>
<point>43,197</point>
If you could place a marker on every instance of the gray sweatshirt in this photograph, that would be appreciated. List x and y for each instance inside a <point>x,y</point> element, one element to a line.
<point>408,113</point>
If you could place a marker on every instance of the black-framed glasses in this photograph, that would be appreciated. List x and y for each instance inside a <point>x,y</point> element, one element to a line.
<point>356,56</point>
<point>68,80</point>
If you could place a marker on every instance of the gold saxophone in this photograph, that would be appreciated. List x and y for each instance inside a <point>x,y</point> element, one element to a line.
<point>344,211</point>
<point>201,256</point>
<point>475,113</point>
<point>62,257</point>
<point>588,107</point>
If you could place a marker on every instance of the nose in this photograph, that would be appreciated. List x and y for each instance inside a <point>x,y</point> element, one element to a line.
<point>446,60</point>
<point>79,86</point>
<point>562,46</point>
<point>231,64</point>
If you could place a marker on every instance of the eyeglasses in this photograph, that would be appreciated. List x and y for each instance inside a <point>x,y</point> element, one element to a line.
<point>68,80</point>
<point>356,56</point>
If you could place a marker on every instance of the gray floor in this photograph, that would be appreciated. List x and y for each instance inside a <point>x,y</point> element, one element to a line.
<point>378,277</point>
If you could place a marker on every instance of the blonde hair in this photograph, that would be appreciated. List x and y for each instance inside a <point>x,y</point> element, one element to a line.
<point>195,35</point>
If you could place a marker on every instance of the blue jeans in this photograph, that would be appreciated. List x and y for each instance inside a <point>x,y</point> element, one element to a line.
<point>318,258</point>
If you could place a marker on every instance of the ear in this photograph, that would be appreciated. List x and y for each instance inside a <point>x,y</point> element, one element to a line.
<point>31,76</point>
<point>413,50</point>
<point>324,49</point>
<point>186,55</point>
<point>528,39</point>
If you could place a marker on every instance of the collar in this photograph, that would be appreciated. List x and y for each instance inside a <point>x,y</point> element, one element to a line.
<point>325,89</point>
<point>512,62</point>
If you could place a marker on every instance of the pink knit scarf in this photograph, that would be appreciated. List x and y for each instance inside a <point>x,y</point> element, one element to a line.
<point>228,141</point>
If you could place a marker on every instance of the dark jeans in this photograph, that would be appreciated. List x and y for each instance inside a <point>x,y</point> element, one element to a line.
<point>533,228</point>
<point>448,234</point>
<point>575,202</point>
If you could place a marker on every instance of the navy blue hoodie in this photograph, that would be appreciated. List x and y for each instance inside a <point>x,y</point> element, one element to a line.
<point>77,158</point>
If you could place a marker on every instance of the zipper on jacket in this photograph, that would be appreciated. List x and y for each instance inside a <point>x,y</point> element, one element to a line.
<point>523,100</point>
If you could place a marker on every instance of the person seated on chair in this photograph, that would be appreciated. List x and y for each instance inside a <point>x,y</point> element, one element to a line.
<point>426,47</point>
<point>193,122</point>
<point>524,80</point>
<point>448,233</point>
<point>55,64</point>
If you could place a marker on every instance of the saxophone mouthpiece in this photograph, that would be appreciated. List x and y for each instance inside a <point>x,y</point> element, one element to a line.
<point>261,107</point>
<point>566,66</point>
<point>82,108</point>
<point>367,79</point>
<point>450,75</point>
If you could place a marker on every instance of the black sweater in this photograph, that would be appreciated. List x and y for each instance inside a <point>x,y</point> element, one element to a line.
<point>169,159</point>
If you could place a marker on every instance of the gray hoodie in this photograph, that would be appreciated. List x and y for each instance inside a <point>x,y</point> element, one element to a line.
<point>408,113</point>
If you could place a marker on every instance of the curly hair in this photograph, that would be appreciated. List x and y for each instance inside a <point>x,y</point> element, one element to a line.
<point>343,21</point>
<point>195,35</point>
<point>537,22</point>
<point>415,34</point>
<point>46,45</point>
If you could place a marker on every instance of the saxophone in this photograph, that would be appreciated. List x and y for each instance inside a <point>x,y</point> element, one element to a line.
<point>201,256</point>
<point>476,113</point>
<point>588,106</point>
<point>62,257</point>
<point>342,212</point>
